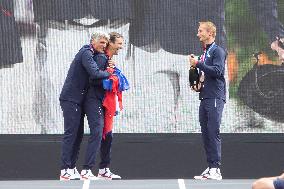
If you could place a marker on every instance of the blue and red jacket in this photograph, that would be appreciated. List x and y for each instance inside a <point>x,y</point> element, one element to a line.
<point>112,103</point>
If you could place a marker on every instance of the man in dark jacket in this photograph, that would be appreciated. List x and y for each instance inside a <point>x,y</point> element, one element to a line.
<point>212,97</point>
<point>95,111</point>
<point>116,42</point>
<point>72,99</point>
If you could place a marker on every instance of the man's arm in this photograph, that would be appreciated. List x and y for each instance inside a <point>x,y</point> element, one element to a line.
<point>92,67</point>
<point>217,70</point>
<point>281,176</point>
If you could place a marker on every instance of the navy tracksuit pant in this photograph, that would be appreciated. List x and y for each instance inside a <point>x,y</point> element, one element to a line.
<point>210,114</point>
<point>74,129</point>
<point>106,150</point>
<point>95,114</point>
<point>73,133</point>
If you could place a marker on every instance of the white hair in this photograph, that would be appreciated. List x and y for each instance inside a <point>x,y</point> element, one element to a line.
<point>97,35</point>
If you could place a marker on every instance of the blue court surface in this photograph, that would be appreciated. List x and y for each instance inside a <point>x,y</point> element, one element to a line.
<point>129,184</point>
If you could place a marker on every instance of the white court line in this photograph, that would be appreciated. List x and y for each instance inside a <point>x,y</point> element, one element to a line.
<point>86,184</point>
<point>181,184</point>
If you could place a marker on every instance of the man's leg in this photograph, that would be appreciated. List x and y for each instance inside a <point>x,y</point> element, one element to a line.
<point>104,171</point>
<point>215,109</point>
<point>210,119</point>
<point>95,115</point>
<point>106,150</point>
<point>204,131</point>
<point>77,144</point>
<point>72,116</point>
<point>203,120</point>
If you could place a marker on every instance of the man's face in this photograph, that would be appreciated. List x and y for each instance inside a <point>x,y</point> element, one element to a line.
<point>116,46</point>
<point>100,44</point>
<point>203,34</point>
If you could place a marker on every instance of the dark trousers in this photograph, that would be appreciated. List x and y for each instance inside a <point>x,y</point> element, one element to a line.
<point>73,133</point>
<point>106,150</point>
<point>210,114</point>
<point>95,115</point>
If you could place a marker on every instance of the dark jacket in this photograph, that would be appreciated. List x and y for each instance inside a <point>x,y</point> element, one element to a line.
<point>96,89</point>
<point>81,69</point>
<point>214,85</point>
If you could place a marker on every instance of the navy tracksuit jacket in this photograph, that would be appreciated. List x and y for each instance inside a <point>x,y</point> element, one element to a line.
<point>213,97</point>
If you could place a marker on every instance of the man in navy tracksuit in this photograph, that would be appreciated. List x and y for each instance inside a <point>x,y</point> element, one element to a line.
<point>212,97</point>
<point>72,99</point>
<point>116,42</point>
<point>95,114</point>
<point>93,106</point>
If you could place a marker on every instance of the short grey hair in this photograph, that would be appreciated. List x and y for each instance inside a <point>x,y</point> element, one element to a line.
<point>98,35</point>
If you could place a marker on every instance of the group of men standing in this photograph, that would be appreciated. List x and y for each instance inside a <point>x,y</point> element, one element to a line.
<point>83,94</point>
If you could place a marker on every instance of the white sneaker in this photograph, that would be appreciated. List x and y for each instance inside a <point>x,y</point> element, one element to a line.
<point>203,175</point>
<point>67,174</point>
<point>88,175</point>
<point>77,175</point>
<point>215,174</point>
<point>107,174</point>
<point>210,173</point>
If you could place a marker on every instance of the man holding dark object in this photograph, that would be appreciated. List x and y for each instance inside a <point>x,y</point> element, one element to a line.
<point>212,97</point>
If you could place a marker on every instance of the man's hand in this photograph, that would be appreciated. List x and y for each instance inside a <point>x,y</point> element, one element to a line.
<point>110,70</point>
<point>111,63</point>
<point>192,60</point>
<point>197,87</point>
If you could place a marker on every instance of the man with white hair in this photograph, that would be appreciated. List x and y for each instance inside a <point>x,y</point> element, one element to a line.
<point>72,98</point>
